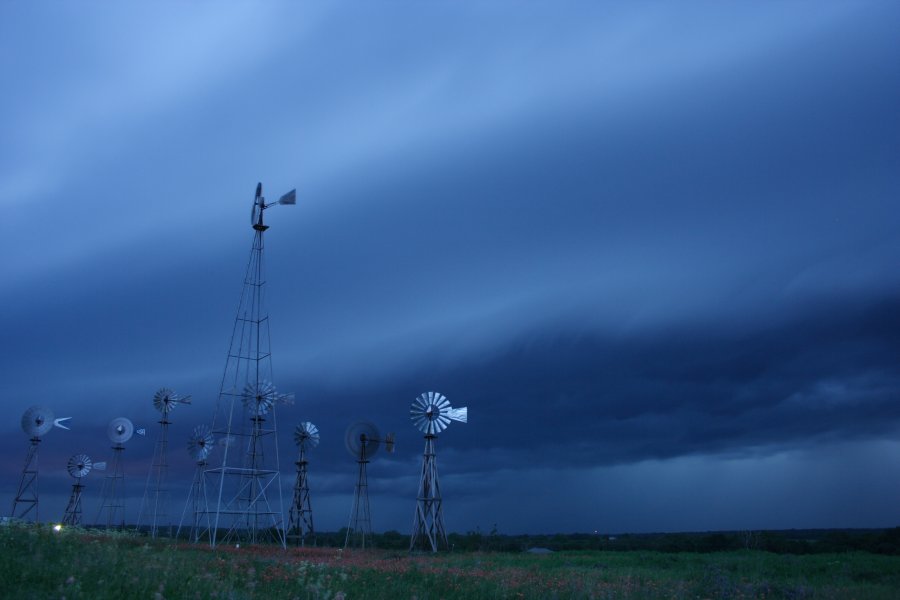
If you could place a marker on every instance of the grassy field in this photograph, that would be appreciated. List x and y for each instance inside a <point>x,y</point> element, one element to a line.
<point>36,562</point>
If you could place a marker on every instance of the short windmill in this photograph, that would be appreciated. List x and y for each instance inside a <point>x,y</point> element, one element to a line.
<point>79,466</point>
<point>300,519</point>
<point>112,496</point>
<point>431,413</point>
<point>155,503</point>
<point>363,440</point>
<point>36,422</point>
<point>199,446</point>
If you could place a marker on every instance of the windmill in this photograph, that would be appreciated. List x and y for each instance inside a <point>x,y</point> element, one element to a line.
<point>300,519</point>
<point>245,411</point>
<point>79,466</point>
<point>155,503</point>
<point>431,413</point>
<point>363,440</point>
<point>199,446</point>
<point>112,496</point>
<point>36,422</point>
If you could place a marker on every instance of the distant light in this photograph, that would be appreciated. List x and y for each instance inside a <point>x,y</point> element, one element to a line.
<point>57,527</point>
<point>237,545</point>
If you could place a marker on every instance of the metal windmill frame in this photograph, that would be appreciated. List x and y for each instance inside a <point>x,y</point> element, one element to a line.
<point>431,413</point>
<point>199,447</point>
<point>363,440</point>
<point>112,494</point>
<point>300,519</point>
<point>79,466</point>
<point>36,422</point>
<point>155,502</point>
<point>243,484</point>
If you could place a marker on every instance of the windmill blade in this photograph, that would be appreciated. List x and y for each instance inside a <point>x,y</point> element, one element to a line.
<point>58,422</point>
<point>79,465</point>
<point>164,400</point>
<point>200,444</point>
<point>37,421</point>
<point>429,413</point>
<point>120,430</point>
<point>306,434</point>
<point>360,435</point>
<point>259,398</point>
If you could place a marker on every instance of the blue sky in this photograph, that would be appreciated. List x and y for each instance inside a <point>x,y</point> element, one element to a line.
<point>651,246</point>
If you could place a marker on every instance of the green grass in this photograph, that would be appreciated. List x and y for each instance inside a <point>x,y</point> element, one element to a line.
<point>36,562</point>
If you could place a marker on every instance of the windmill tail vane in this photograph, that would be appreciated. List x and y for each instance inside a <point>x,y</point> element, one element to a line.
<point>459,414</point>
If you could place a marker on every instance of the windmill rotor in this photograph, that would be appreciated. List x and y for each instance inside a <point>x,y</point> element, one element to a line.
<point>307,435</point>
<point>79,465</point>
<point>200,444</point>
<point>120,430</point>
<point>431,413</point>
<point>260,398</point>
<point>37,421</point>
<point>164,400</point>
<point>362,435</point>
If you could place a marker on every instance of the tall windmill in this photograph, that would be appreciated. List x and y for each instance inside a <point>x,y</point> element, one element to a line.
<point>300,520</point>
<point>112,496</point>
<point>431,413</point>
<point>363,440</point>
<point>199,446</point>
<point>79,466</point>
<point>155,503</point>
<point>247,501</point>
<point>36,422</point>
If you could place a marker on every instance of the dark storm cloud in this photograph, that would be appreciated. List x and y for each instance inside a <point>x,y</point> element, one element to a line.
<point>565,396</point>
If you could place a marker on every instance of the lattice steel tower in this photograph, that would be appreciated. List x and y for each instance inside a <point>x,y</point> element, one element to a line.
<point>431,413</point>
<point>36,421</point>
<point>154,509</point>
<point>300,520</point>
<point>363,440</point>
<point>246,501</point>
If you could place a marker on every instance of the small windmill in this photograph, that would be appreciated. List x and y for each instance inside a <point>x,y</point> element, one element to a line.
<point>119,431</point>
<point>155,503</point>
<point>199,447</point>
<point>300,519</point>
<point>79,466</point>
<point>363,440</point>
<point>431,413</point>
<point>36,422</point>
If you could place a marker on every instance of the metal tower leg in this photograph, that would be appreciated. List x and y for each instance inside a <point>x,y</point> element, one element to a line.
<point>72,516</point>
<point>428,522</point>
<point>300,522</point>
<point>27,495</point>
